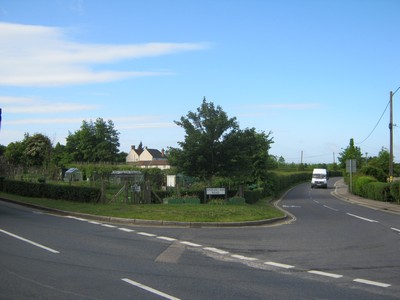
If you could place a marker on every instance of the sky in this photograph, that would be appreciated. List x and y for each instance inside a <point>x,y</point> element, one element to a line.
<point>312,73</point>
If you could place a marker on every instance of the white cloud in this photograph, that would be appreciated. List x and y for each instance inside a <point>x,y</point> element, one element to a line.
<point>44,56</point>
<point>21,105</point>
<point>290,106</point>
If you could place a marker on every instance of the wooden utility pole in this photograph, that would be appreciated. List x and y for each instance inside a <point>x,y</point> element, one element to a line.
<point>391,139</point>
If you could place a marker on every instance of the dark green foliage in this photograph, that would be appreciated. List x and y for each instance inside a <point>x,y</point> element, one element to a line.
<point>278,182</point>
<point>375,172</point>
<point>360,184</point>
<point>368,187</point>
<point>51,191</point>
<point>395,191</point>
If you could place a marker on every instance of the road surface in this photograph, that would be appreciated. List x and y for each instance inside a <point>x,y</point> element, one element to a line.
<point>331,250</point>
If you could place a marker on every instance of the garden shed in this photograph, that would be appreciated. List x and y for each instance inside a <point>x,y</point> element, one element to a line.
<point>73,174</point>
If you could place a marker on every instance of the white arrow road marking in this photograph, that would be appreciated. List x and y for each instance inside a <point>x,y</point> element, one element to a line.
<point>29,241</point>
<point>362,218</point>
<point>375,283</point>
<point>149,289</point>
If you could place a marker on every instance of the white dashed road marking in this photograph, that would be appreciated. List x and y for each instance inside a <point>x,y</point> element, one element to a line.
<point>149,289</point>
<point>244,257</point>
<point>279,265</point>
<point>362,218</point>
<point>190,244</point>
<point>395,229</point>
<point>216,250</point>
<point>369,282</point>
<point>146,234</point>
<point>126,229</point>
<point>222,252</point>
<point>166,238</point>
<point>332,275</point>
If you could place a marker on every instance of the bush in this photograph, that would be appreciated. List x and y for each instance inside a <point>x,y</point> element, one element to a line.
<point>360,184</point>
<point>184,200</point>
<point>51,191</point>
<point>395,191</point>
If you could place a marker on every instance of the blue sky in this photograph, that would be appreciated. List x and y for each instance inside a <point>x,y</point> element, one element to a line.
<point>314,73</point>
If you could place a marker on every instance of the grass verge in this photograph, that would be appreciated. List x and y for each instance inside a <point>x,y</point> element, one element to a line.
<point>180,213</point>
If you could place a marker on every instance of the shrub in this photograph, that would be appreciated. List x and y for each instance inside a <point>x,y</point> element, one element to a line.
<point>360,184</point>
<point>395,191</point>
<point>52,191</point>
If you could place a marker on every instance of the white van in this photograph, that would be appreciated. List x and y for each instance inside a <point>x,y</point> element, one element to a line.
<point>319,178</point>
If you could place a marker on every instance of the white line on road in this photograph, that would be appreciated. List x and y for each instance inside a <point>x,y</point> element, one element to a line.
<point>94,222</point>
<point>29,241</point>
<point>244,257</point>
<point>328,207</point>
<point>395,229</point>
<point>146,234</point>
<point>166,238</point>
<point>76,218</point>
<point>149,289</point>
<point>216,250</point>
<point>108,226</point>
<point>126,229</point>
<point>279,265</point>
<point>332,275</point>
<point>190,244</point>
<point>362,218</point>
<point>375,283</point>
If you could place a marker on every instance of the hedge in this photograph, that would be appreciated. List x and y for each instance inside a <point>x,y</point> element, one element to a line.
<point>369,187</point>
<point>51,191</point>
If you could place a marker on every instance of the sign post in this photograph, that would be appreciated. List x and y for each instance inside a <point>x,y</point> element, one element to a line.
<point>351,167</point>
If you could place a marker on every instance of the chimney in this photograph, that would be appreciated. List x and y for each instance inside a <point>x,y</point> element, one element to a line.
<point>133,147</point>
<point>162,152</point>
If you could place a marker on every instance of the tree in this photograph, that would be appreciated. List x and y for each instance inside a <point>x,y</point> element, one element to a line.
<point>37,150</point>
<point>14,153</point>
<point>94,142</point>
<point>351,152</point>
<point>214,145</point>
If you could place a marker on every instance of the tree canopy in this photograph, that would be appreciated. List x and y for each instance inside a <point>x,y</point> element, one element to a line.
<point>215,145</point>
<point>351,152</point>
<point>95,142</point>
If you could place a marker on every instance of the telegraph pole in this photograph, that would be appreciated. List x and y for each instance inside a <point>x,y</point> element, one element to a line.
<point>391,138</point>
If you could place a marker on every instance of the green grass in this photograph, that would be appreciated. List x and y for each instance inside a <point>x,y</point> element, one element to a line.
<point>180,213</point>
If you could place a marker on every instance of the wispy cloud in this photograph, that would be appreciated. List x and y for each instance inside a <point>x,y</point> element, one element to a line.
<point>44,56</point>
<point>291,106</point>
<point>21,105</point>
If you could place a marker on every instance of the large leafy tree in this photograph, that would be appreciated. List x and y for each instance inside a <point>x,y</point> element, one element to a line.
<point>214,145</point>
<point>38,149</point>
<point>95,142</point>
<point>351,152</point>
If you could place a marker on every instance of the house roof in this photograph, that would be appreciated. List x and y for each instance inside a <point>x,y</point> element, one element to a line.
<point>156,153</point>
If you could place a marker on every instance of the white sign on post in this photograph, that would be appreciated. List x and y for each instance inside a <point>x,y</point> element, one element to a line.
<point>215,191</point>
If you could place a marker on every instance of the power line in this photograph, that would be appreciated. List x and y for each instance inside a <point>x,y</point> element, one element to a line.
<point>375,125</point>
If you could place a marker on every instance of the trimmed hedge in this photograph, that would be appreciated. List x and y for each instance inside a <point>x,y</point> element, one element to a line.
<point>369,187</point>
<point>51,191</point>
<point>279,182</point>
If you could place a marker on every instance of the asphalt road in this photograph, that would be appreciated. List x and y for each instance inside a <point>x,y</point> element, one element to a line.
<point>332,250</point>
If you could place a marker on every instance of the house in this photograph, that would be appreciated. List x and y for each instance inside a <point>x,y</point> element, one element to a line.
<point>147,158</point>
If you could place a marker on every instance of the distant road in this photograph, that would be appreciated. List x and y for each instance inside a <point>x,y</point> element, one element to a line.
<point>333,250</point>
